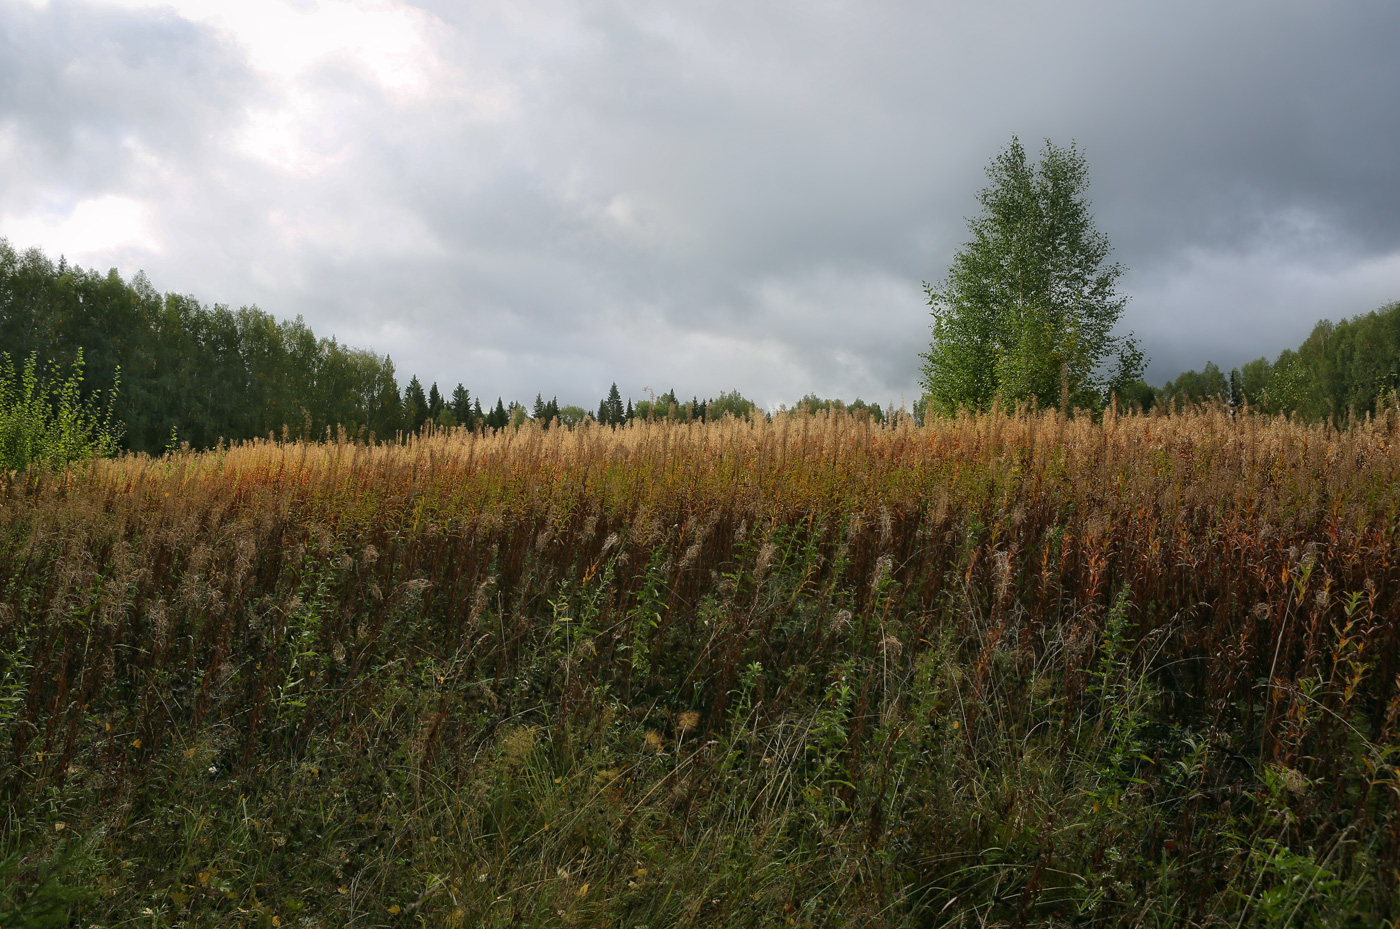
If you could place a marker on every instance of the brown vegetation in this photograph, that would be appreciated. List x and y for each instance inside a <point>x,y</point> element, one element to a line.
<point>1018,669</point>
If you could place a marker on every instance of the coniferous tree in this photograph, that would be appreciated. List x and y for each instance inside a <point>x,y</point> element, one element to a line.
<point>615,412</point>
<point>629,414</point>
<point>462,406</point>
<point>415,405</point>
<point>435,404</point>
<point>478,418</point>
<point>498,418</point>
<point>387,418</point>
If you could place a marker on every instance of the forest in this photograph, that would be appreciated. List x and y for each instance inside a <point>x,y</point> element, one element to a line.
<point>192,374</point>
<point>196,374</point>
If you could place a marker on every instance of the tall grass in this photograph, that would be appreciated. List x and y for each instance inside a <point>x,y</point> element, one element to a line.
<point>1015,670</point>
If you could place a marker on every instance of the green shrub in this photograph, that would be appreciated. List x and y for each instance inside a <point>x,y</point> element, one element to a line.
<point>50,424</point>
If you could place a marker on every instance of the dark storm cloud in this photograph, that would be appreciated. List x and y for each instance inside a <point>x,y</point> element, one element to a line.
<point>727,195</point>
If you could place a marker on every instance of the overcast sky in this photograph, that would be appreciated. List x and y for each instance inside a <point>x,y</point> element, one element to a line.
<point>548,197</point>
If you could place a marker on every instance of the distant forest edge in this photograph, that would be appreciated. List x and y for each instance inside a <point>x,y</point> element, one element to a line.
<point>200,374</point>
<point>1341,369</point>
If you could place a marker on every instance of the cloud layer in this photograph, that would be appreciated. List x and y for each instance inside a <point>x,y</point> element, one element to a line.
<point>547,197</point>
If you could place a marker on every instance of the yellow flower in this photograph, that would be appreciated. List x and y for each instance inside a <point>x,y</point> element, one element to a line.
<point>394,910</point>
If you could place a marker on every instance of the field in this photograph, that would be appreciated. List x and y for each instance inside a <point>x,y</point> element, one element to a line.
<point>1009,670</point>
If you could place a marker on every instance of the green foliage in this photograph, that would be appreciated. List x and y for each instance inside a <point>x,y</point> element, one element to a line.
<point>1138,395</point>
<point>1342,369</point>
<point>42,896</point>
<point>1027,310</point>
<point>498,418</point>
<point>461,407</point>
<point>49,424</point>
<point>545,412</point>
<point>811,403</point>
<point>209,372</point>
<point>730,404</point>
<point>1190,387</point>
<point>415,405</point>
<point>572,415</point>
<point>610,411</point>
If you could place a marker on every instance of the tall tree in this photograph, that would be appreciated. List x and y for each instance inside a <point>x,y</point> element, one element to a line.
<point>435,403</point>
<point>498,418</point>
<point>415,405</point>
<point>386,417</point>
<point>462,406</point>
<point>1029,304</point>
<point>616,414</point>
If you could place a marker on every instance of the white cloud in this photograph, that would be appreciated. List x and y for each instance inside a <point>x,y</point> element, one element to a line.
<point>87,231</point>
<point>390,42</point>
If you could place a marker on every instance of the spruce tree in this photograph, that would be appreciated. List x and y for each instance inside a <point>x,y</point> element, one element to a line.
<point>462,406</point>
<point>415,405</point>
<point>435,404</point>
<point>386,420</point>
<point>615,412</point>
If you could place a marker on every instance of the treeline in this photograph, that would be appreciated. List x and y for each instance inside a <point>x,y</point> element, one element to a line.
<point>1341,368</point>
<point>188,371</point>
<point>196,374</point>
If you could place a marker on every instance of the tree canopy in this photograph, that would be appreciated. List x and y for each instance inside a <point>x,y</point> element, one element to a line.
<point>204,372</point>
<point>1029,305</point>
<point>1340,369</point>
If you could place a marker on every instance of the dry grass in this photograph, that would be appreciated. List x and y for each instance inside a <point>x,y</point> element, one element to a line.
<point>1004,669</point>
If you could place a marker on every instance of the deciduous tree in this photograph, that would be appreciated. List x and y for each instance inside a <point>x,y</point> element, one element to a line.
<point>1029,305</point>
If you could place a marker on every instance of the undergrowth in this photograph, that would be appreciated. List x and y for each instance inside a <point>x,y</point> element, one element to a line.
<point>1001,672</point>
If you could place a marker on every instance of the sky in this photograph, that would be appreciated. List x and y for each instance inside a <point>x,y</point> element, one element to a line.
<point>548,197</point>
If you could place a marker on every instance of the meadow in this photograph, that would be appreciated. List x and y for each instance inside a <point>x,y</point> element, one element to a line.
<point>1003,670</point>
